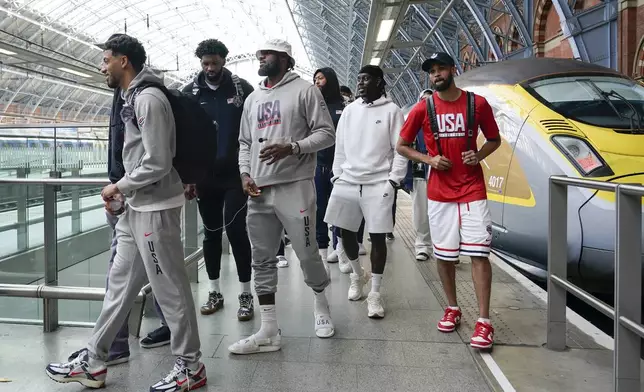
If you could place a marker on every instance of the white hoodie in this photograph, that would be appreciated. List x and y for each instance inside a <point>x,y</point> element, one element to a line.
<point>365,146</point>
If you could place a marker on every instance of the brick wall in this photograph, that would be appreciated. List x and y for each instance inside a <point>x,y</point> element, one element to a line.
<point>631,37</point>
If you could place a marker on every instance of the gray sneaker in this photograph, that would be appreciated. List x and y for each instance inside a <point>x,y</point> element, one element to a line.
<point>214,303</point>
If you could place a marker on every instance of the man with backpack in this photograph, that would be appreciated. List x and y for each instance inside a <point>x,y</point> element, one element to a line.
<point>459,217</point>
<point>285,123</point>
<point>222,202</point>
<point>149,230</point>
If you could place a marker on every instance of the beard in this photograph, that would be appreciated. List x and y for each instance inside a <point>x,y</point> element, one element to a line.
<point>444,84</point>
<point>213,78</point>
<point>269,70</point>
<point>112,82</point>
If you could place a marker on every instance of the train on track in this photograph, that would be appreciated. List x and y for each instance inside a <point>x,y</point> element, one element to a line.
<point>559,117</point>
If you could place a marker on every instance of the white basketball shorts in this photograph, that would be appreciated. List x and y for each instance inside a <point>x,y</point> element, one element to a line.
<point>460,229</point>
<point>349,203</point>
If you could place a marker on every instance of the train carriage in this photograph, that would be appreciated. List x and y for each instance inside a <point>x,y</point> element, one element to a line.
<point>559,117</point>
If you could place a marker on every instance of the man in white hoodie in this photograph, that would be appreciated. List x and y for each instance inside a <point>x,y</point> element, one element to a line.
<point>367,170</point>
<point>284,124</point>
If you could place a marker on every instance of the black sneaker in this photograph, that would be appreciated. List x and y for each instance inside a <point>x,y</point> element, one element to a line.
<point>246,307</point>
<point>390,236</point>
<point>157,338</point>
<point>214,303</point>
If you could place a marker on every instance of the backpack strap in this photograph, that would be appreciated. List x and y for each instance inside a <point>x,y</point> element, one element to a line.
<point>433,123</point>
<point>470,120</point>
<point>238,85</point>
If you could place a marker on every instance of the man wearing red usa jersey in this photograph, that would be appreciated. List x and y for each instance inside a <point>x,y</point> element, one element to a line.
<point>459,218</point>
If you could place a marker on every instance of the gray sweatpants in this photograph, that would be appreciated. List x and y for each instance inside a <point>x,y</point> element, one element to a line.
<point>149,248</point>
<point>289,207</point>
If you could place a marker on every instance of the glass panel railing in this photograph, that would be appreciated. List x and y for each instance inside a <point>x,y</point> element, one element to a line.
<point>54,238</point>
<point>17,236</point>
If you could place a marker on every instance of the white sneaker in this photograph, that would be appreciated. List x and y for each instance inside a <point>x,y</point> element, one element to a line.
<point>282,262</point>
<point>78,370</point>
<point>345,266</point>
<point>374,306</point>
<point>323,254</point>
<point>362,250</point>
<point>356,287</point>
<point>332,257</point>
<point>252,344</point>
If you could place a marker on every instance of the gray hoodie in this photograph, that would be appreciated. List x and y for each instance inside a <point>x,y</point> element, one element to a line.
<point>291,111</point>
<point>150,182</point>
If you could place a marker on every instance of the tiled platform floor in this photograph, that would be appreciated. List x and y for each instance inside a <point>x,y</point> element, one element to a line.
<point>402,352</point>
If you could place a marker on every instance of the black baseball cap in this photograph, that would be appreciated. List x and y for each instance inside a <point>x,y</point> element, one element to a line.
<point>373,70</point>
<point>438,58</point>
<point>103,45</point>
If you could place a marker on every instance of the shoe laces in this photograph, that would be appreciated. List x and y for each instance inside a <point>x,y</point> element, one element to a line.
<point>213,296</point>
<point>450,315</point>
<point>178,369</point>
<point>482,330</point>
<point>374,300</point>
<point>245,300</point>
<point>78,361</point>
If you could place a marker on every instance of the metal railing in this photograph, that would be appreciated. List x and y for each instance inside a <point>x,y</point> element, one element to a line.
<point>50,292</point>
<point>626,313</point>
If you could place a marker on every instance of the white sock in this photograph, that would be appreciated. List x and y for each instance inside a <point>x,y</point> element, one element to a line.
<point>375,282</point>
<point>214,285</point>
<point>357,268</point>
<point>269,322</point>
<point>454,307</point>
<point>94,363</point>
<point>245,287</point>
<point>484,320</point>
<point>320,304</point>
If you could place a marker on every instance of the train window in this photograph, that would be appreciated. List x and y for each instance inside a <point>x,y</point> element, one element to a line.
<point>604,101</point>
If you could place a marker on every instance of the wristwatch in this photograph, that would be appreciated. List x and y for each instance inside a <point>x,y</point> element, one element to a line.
<point>295,148</point>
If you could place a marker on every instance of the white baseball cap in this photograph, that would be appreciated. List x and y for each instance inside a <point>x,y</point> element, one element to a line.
<point>277,45</point>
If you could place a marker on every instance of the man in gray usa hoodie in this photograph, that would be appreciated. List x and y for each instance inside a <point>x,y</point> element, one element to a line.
<point>149,246</point>
<point>284,124</point>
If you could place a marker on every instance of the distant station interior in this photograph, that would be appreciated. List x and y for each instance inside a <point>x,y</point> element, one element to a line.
<point>565,79</point>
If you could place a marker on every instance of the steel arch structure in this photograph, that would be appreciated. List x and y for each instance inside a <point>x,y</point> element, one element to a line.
<point>49,61</point>
<point>474,32</point>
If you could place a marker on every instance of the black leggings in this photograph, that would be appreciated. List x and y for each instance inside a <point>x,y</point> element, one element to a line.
<point>215,204</point>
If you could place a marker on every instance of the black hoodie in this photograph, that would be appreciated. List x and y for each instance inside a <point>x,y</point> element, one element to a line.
<point>335,103</point>
<point>226,108</point>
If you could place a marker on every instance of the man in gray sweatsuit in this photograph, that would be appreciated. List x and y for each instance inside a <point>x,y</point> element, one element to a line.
<point>148,231</point>
<point>284,123</point>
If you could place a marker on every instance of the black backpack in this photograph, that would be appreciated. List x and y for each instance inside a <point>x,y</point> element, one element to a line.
<point>431,114</point>
<point>196,136</point>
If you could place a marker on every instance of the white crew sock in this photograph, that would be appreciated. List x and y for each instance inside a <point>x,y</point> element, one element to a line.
<point>214,285</point>
<point>375,282</point>
<point>269,326</point>
<point>245,287</point>
<point>454,307</point>
<point>320,304</point>
<point>357,268</point>
<point>484,320</point>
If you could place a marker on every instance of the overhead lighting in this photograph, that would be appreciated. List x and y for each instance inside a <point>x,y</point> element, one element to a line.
<point>71,71</point>
<point>7,52</point>
<point>375,61</point>
<point>385,30</point>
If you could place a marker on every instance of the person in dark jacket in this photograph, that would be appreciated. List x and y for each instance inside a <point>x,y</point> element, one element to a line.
<point>416,183</point>
<point>327,81</point>
<point>222,202</point>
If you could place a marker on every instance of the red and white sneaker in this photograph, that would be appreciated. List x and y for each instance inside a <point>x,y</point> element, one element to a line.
<point>483,336</point>
<point>78,370</point>
<point>451,319</point>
